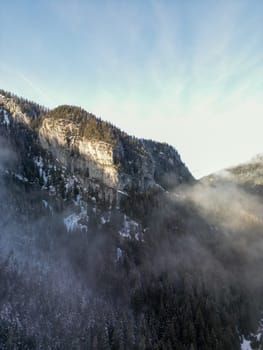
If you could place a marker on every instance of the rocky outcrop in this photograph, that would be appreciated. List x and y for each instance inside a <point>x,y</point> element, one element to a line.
<point>93,160</point>
<point>124,163</point>
<point>8,104</point>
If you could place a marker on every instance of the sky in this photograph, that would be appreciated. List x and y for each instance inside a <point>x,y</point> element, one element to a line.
<point>185,72</point>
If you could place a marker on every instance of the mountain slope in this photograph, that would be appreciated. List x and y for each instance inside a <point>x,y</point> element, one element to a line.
<point>97,254</point>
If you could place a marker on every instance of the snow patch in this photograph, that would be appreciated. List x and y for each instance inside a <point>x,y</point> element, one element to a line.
<point>160,187</point>
<point>21,178</point>
<point>48,206</point>
<point>52,190</point>
<point>6,120</point>
<point>40,164</point>
<point>124,193</point>
<point>78,200</point>
<point>118,254</point>
<point>245,345</point>
<point>130,229</point>
<point>76,221</point>
<point>69,184</point>
<point>103,220</point>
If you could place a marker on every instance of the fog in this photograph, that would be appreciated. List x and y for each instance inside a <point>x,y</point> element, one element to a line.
<point>224,231</point>
<point>225,204</point>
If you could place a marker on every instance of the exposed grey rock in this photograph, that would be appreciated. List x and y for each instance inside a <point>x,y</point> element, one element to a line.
<point>144,165</point>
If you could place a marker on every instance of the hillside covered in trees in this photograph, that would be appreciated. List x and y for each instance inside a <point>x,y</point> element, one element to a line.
<point>175,267</point>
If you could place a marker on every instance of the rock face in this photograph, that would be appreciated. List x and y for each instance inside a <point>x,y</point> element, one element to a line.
<point>122,162</point>
<point>91,159</point>
<point>8,104</point>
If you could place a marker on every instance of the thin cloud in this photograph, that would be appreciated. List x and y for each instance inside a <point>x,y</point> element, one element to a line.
<point>36,88</point>
<point>38,92</point>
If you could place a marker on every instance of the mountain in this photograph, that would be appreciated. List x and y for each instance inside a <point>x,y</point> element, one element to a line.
<point>95,150</point>
<point>108,242</point>
<point>249,174</point>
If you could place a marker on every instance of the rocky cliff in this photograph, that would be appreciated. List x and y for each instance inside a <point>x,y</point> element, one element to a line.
<point>99,151</point>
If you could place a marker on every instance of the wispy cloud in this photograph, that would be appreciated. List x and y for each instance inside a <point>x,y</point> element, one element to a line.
<point>38,93</point>
<point>35,88</point>
<point>188,73</point>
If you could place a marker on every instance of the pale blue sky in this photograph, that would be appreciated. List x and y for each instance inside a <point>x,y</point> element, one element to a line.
<point>186,72</point>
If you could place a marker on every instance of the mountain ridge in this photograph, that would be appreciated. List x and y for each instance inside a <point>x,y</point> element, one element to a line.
<point>74,136</point>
